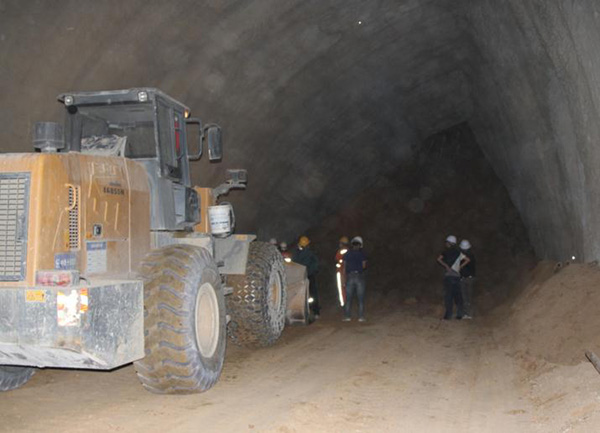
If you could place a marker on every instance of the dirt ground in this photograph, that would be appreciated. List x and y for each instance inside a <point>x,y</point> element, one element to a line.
<point>402,371</point>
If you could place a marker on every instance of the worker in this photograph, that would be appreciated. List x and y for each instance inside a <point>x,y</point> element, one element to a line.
<point>273,242</point>
<point>355,264</point>
<point>452,260</point>
<point>283,249</point>
<point>340,273</point>
<point>304,256</point>
<point>467,279</point>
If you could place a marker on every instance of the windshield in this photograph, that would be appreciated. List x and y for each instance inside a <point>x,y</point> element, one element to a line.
<point>129,128</point>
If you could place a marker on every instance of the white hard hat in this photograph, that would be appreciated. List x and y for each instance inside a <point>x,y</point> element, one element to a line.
<point>451,239</point>
<point>465,244</point>
<point>283,245</point>
<point>357,239</point>
<point>273,241</point>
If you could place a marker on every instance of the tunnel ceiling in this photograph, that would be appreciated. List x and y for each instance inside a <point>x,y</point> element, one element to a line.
<point>317,98</point>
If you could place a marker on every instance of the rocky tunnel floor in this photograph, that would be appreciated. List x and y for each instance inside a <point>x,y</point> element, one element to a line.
<point>402,371</point>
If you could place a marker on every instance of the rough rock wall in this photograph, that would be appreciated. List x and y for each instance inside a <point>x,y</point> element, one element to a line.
<point>319,98</point>
<point>316,98</point>
<point>448,188</point>
<point>536,90</point>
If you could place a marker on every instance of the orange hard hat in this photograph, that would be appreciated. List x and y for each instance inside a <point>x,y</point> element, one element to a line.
<point>344,240</point>
<point>303,241</point>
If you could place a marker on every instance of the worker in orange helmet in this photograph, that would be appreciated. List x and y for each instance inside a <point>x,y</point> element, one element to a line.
<point>340,274</point>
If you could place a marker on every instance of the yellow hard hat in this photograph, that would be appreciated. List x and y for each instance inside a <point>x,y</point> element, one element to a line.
<point>344,240</point>
<point>303,241</point>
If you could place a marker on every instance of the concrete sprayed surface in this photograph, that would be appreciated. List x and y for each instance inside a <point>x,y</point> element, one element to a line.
<point>306,90</point>
<point>403,371</point>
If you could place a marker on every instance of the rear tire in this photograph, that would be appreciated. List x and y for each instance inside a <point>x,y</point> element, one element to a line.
<point>184,321</point>
<point>12,377</point>
<point>258,303</point>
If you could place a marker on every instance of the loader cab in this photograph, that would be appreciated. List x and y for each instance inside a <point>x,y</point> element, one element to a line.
<point>148,126</point>
<point>143,124</point>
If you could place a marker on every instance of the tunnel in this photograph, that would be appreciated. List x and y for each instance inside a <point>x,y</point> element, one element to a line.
<point>402,122</point>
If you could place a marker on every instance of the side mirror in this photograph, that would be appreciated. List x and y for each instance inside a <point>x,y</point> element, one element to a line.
<point>215,143</point>
<point>236,177</point>
<point>195,121</point>
<point>213,137</point>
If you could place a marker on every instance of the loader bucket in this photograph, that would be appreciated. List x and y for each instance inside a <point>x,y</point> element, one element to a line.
<point>297,294</point>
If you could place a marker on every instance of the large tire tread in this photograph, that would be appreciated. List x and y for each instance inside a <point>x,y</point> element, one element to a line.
<point>253,323</point>
<point>173,363</point>
<point>13,377</point>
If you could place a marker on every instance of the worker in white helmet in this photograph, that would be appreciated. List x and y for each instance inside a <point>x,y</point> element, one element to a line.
<point>285,252</point>
<point>452,260</point>
<point>467,279</point>
<point>355,264</point>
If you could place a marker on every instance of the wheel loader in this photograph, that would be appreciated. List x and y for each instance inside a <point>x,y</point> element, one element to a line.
<point>108,254</point>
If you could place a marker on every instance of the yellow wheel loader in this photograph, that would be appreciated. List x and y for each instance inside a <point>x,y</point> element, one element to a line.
<point>108,255</point>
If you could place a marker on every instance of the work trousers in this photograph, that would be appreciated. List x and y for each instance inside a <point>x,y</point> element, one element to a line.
<point>452,295</point>
<point>314,294</point>
<point>466,285</point>
<point>355,285</point>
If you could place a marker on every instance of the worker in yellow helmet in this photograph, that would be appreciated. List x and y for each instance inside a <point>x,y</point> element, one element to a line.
<point>340,274</point>
<point>304,256</point>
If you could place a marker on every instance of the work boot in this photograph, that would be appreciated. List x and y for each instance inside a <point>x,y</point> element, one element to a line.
<point>346,319</point>
<point>362,319</point>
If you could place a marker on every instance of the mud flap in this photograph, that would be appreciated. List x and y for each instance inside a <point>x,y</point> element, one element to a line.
<point>231,253</point>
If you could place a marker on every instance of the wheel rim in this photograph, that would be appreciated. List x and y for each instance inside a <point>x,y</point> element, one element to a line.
<point>207,320</point>
<point>275,291</point>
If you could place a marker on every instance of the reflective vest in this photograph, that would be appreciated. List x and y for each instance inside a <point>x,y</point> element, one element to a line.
<point>340,275</point>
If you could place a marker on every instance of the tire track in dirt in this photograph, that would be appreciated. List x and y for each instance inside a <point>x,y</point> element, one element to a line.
<point>399,372</point>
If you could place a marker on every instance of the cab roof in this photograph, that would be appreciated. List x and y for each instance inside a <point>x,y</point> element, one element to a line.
<point>125,96</point>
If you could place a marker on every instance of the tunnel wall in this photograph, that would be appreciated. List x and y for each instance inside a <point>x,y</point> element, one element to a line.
<point>316,98</point>
<point>535,74</point>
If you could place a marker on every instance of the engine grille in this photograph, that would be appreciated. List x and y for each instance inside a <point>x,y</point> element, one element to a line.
<point>14,201</point>
<point>73,217</point>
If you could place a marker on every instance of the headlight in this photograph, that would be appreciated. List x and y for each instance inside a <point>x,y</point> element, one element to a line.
<point>142,96</point>
<point>69,100</point>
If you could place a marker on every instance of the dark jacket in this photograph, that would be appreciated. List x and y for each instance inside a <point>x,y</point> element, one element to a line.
<point>354,260</point>
<point>469,269</point>
<point>307,258</point>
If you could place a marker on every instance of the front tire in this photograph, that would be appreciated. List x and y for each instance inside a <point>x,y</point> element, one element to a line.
<point>12,377</point>
<point>184,321</point>
<point>258,303</point>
